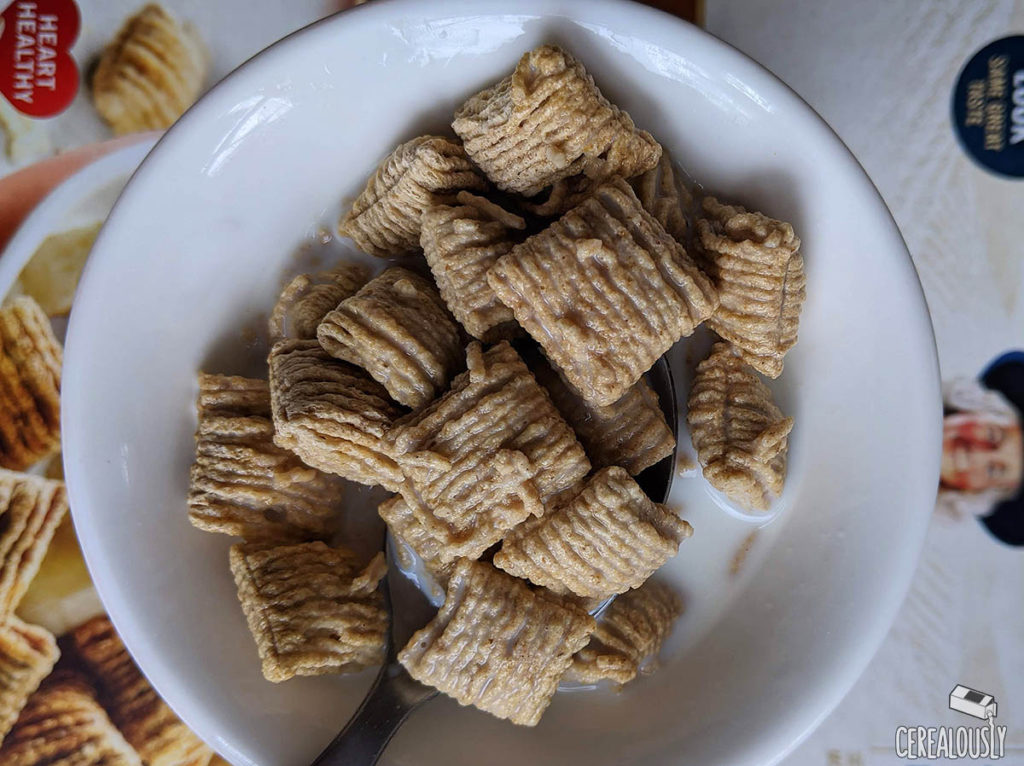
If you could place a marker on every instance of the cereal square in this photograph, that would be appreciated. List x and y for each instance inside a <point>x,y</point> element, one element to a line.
<point>27,655</point>
<point>145,720</point>
<point>740,434</point>
<point>331,414</point>
<point>31,509</point>
<point>756,264</point>
<point>30,372</point>
<point>631,630</point>
<point>606,540</point>
<point>312,609</point>
<point>484,456</point>
<point>496,644</point>
<point>547,121</point>
<point>308,298</point>
<point>385,218</point>
<point>241,482</point>
<point>397,329</point>
<point>461,243</point>
<point>605,291</point>
<point>63,724</point>
<point>631,432</point>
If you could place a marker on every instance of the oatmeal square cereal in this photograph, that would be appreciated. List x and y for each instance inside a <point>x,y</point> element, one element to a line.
<point>27,655</point>
<point>756,264</point>
<point>497,404</point>
<point>312,609</point>
<point>631,432</point>
<point>547,121</point>
<point>397,329</point>
<point>308,298</point>
<point>605,291</point>
<point>241,482</point>
<point>485,455</point>
<point>461,243</point>
<point>496,644</point>
<point>331,414</point>
<point>606,540</point>
<point>631,630</point>
<point>64,725</point>
<point>31,509</point>
<point>150,73</point>
<point>665,197</point>
<point>409,531</point>
<point>469,503</point>
<point>30,370</point>
<point>144,719</point>
<point>740,435</point>
<point>385,218</point>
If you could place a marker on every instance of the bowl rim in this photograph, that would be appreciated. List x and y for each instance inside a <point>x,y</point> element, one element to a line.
<point>791,728</point>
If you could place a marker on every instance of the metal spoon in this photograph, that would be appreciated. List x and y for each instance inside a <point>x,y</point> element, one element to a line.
<point>394,694</point>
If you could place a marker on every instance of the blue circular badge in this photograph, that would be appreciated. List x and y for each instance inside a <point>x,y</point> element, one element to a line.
<point>988,107</point>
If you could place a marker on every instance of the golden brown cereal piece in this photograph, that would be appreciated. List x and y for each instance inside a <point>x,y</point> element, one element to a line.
<point>409,530</point>
<point>64,725</point>
<point>397,329</point>
<point>30,368</point>
<point>241,482</point>
<point>461,243</point>
<point>331,414</point>
<point>307,299</point>
<point>150,73</point>
<point>755,262</point>
<point>664,196</point>
<point>630,630</point>
<point>427,171</point>
<point>496,644</point>
<point>740,435</point>
<point>31,509</point>
<point>606,540</point>
<point>312,609</point>
<point>631,432</point>
<point>482,457</point>
<point>144,719</point>
<point>27,655</point>
<point>469,503</point>
<point>605,290</point>
<point>548,121</point>
<point>52,274</point>
<point>497,404</point>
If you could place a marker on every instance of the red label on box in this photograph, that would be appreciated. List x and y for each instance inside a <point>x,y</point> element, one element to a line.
<point>37,73</point>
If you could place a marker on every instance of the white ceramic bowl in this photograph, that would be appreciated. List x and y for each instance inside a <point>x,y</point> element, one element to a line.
<point>196,248</point>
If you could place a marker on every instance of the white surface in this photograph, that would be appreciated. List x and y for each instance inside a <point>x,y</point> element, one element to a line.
<point>82,199</point>
<point>883,74</point>
<point>192,257</point>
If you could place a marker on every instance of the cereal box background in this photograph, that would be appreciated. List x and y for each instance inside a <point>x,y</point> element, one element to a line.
<point>882,74</point>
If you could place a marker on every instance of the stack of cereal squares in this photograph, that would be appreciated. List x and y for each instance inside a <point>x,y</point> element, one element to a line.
<point>91,706</point>
<point>494,382</point>
<point>313,608</point>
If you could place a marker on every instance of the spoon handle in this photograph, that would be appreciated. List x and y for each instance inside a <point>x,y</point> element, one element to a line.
<point>393,696</point>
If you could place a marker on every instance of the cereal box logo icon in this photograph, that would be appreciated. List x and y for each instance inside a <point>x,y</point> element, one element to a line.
<point>972,702</point>
<point>38,76</point>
